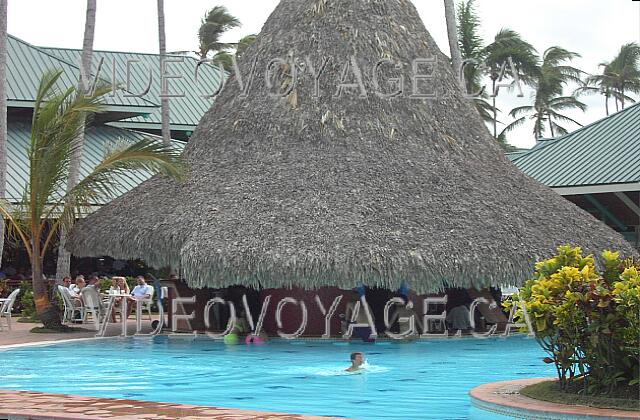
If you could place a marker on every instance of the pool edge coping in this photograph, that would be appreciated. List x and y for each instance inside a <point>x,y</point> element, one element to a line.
<point>505,398</point>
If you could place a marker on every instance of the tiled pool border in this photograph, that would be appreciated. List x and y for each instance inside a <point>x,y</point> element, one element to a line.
<point>504,398</point>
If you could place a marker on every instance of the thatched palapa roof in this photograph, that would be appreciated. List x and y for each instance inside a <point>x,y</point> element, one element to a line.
<point>343,189</point>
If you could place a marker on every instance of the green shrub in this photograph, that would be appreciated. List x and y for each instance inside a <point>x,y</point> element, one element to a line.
<point>24,301</point>
<point>104,285</point>
<point>585,319</point>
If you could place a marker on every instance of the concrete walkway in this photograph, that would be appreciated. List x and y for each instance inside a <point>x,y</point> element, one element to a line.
<point>20,334</point>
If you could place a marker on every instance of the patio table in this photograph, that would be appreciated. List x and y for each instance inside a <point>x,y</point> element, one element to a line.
<point>124,301</point>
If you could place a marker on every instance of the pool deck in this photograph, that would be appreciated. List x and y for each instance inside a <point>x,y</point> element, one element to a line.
<point>19,405</point>
<point>505,398</point>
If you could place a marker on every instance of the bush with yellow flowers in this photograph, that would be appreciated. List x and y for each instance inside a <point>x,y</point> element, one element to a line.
<point>586,319</point>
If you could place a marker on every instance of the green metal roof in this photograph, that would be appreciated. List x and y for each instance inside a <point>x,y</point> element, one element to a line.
<point>26,65</point>
<point>185,111</point>
<point>97,141</point>
<point>604,152</point>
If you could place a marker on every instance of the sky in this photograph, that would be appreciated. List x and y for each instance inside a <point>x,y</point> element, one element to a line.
<point>594,28</point>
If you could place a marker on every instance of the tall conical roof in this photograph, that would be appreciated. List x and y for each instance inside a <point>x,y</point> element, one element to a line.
<point>343,186</point>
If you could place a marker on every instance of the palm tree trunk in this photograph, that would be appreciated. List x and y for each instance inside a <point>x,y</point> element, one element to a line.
<point>553,135</point>
<point>606,103</point>
<point>495,110</point>
<point>454,45</point>
<point>622,97</point>
<point>47,313</point>
<point>3,113</point>
<point>164,102</point>
<point>64,257</point>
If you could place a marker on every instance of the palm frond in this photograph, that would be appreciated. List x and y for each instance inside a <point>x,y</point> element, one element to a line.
<point>520,110</point>
<point>512,126</point>
<point>148,155</point>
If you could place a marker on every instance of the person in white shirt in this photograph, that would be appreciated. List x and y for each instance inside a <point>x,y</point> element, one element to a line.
<point>74,289</point>
<point>141,292</point>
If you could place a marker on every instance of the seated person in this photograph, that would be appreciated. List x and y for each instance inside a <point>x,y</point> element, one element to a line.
<point>357,359</point>
<point>119,286</point>
<point>94,282</point>
<point>142,292</point>
<point>75,289</point>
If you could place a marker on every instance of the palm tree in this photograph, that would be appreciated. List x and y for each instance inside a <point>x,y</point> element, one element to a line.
<point>481,61</point>
<point>452,30</point>
<point>64,257</point>
<point>619,77</point>
<point>509,47</point>
<point>216,22</point>
<point>472,50</point>
<point>165,115</point>
<point>549,103</point>
<point>58,118</point>
<point>3,113</point>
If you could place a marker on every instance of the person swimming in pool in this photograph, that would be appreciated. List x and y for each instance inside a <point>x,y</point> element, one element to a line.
<point>357,359</point>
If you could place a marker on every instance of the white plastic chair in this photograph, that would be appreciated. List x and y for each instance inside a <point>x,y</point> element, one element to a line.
<point>146,305</point>
<point>70,305</point>
<point>93,306</point>
<point>6,306</point>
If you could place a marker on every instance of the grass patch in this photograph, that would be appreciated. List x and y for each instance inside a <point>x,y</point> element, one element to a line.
<point>61,329</point>
<point>623,399</point>
<point>28,320</point>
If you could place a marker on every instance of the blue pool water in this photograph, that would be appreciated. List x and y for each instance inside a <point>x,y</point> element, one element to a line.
<point>419,380</point>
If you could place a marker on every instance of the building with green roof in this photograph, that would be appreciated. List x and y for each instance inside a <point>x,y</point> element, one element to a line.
<point>129,116</point>
<point>596,167</point>
<point>189,85</point>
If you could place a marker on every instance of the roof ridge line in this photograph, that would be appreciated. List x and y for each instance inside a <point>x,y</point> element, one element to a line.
<point>120,52</point>
<point>556,140</point>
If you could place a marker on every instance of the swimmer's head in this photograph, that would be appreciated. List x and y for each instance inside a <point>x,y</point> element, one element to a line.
<point>357,358</point>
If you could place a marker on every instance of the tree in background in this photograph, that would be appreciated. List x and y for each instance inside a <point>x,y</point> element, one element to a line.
<point>165,115</point>
<point>619,77</point>
<point>454,45</point>
<point>216,22</point>
<point>550,103</point>
<point>489,60</point>
<point>3,113</point>
<point>47,206</point>
<point>64,257</point>
<point>508,48</point>
<point>244,43</point>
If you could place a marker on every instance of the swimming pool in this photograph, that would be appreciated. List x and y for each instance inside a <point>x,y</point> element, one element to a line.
<point>421,380</point>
